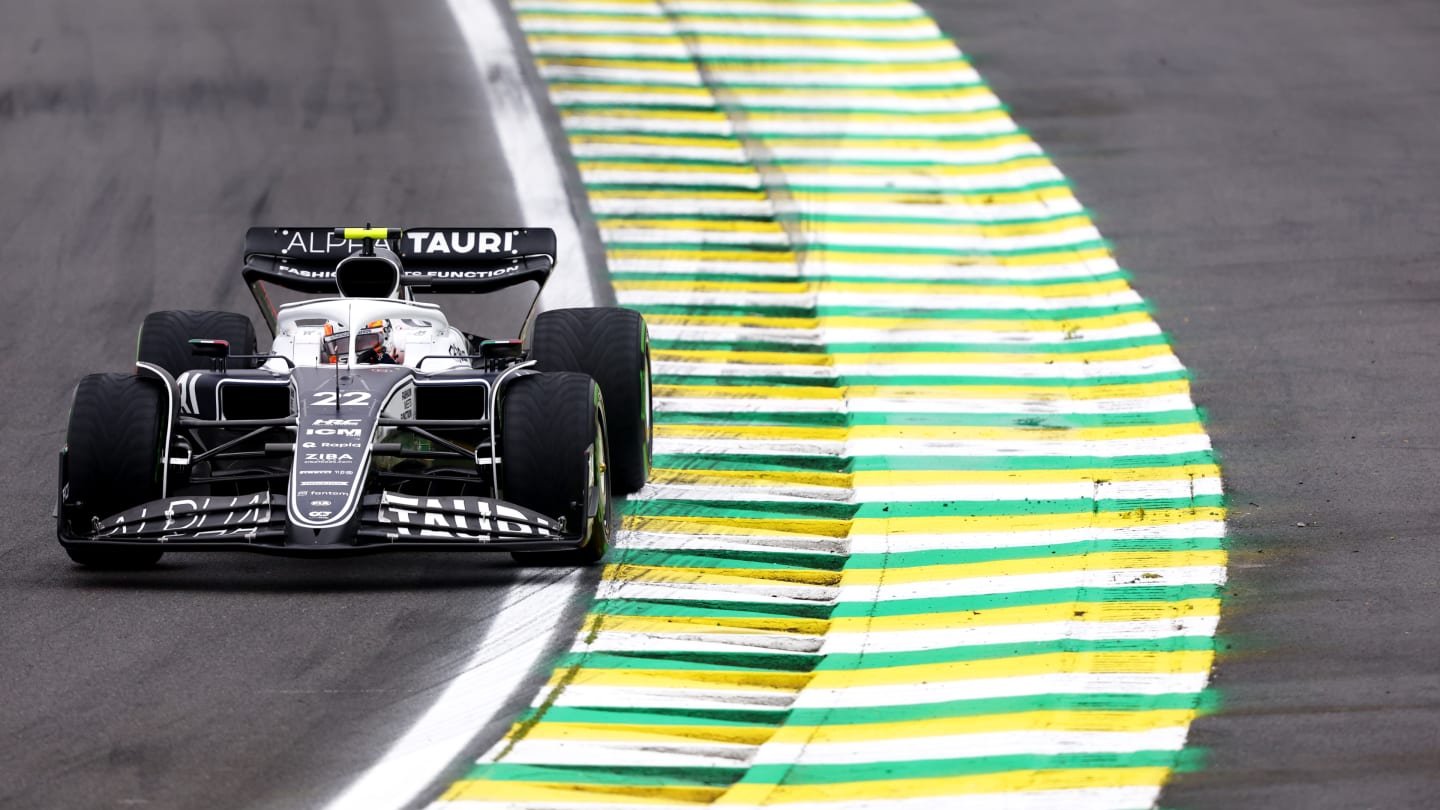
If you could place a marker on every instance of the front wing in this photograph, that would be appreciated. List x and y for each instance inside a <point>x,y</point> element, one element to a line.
<point>385,521</point>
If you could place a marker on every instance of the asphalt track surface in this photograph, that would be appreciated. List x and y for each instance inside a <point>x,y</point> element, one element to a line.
<point>1268,172</point>
<point>137,141</point>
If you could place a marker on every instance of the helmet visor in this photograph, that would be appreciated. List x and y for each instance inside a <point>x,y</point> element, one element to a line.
<point>367,346</point>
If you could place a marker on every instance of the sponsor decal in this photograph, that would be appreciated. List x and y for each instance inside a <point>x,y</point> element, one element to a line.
<point>300,272</point>
<point>471,274</point>
<point>336,423</point>
<point>197,517</point>
<point>437,242</point>
<point>459,242</point>
<point>325,242</point>
<point>459,518</point>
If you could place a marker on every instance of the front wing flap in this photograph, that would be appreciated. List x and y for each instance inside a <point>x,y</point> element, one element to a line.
<point>387,520</point>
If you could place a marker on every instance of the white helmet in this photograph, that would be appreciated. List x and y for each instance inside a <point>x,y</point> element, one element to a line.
<point>373,343</point>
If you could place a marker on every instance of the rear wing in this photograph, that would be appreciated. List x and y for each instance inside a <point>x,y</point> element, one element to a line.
<point>441,260</point>
<point>433,260</point>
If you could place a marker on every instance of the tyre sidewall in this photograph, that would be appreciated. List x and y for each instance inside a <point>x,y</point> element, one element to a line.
<point>164,338</point>
<point>612,346</point>
<point>552,442</point>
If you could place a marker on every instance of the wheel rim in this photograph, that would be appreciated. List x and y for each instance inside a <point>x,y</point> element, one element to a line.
<point>600,483</point>
<point>646,426</point>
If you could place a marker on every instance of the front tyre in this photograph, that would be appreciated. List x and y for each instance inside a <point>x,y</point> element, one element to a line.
<point>113,458</point>
<point>613,346</point>
<point>555,460</point>
<point>165,338</point>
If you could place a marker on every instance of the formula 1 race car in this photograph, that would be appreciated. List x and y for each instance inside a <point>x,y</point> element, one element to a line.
<point>373,424</point>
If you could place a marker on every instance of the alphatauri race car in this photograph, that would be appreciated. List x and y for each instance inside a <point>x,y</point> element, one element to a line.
<point>373,423</point>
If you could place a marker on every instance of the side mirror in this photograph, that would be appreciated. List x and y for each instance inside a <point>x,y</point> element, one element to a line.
<point>508,349</point>
<point>496,354</point>
<point>217,350</point>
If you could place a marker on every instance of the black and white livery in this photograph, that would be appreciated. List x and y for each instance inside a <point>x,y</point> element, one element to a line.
<point>373,423</point>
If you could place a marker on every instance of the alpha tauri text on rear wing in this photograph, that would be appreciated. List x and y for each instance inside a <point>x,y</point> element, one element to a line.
<point>450,260</point>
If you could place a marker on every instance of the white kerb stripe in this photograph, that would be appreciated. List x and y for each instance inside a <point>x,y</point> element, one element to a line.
<point>470,701</point>
<point>528,150</point>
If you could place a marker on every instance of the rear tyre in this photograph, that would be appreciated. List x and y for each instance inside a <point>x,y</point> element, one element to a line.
<point>552,442</point>
<point>165,338</point>
<point>113,459</point>
<point>612,346</point>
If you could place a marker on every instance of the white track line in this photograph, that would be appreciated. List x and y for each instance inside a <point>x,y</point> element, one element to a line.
<point>544,199</point>
<point>507,653</point>
<point>499,665</point>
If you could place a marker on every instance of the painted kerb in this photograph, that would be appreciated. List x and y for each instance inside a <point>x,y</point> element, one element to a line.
<point>934,519</point>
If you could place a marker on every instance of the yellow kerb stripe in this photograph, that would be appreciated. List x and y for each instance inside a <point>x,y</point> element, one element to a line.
<point>748,680</point>
<point>683,20</point>
<point>1049,258</point>
<point>765,527</point>
<point>777,92</point>
<point>939,66</point>
<point>819,116</point>
<point>744,358</point>
<point>927,478</point>
<point>1089,612</point>
<point>750,793</point>
<point>938,392</point>
<point>816,226</point>
<point>926,432</point>
<point>1036,323</point>
<point>707,625</point>
<point>561,794</point>
<point>935,43</point>
<point>1078,720</point>
<point>957,672</point>
<point>1008,782</point>
<point>1094,561</point>
<point>720,575</point>
<point>1012,165</point>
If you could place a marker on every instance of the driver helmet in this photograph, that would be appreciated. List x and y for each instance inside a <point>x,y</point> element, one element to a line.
<point>373,343</point>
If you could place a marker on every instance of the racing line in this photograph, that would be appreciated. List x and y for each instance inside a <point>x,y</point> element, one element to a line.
<point>933,514</point>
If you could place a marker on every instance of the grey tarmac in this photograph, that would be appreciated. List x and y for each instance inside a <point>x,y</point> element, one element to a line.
<point>138,141</point>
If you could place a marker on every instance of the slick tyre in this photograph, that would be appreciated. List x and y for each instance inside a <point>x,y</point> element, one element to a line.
<point>555,460</point>
<point>112,458</point>
<point>612,346</point>
<point>165,338</point>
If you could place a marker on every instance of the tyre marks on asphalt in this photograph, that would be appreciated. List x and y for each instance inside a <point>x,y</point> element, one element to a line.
<point>933,514</point>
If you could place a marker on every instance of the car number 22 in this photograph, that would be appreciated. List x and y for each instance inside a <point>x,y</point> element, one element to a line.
<point>322,398</point>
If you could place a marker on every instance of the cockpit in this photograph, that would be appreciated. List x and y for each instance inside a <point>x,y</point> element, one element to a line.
<point>374,344</point>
